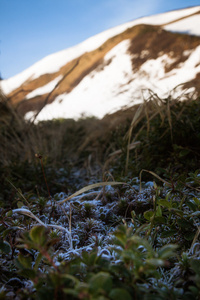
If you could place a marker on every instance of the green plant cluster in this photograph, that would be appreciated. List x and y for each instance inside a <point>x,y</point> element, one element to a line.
<point>139,240</point>
<point>153,254</point>
<point>91,276</point>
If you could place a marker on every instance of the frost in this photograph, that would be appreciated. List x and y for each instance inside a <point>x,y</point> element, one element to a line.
<point>149,184</point>
<point>62,196</point>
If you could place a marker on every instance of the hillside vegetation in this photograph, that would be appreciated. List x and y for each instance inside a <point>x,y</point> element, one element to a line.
<point>102,209</point>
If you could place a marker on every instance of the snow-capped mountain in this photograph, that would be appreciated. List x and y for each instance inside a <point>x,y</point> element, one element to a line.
<point>113,69</point>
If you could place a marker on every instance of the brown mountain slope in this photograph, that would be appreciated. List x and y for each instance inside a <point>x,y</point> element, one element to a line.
<point>147,42</point>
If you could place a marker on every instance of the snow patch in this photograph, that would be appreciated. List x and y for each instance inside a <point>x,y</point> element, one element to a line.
<point>115,87</point>
<point>44,89</point>
<point>96,94</point>
<point>155,68</point>
<point>189,25</point>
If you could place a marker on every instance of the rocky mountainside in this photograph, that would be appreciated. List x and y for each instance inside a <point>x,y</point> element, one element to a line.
<point>114,69</point>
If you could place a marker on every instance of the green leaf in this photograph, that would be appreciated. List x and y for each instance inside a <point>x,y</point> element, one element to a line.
<point>160,220</point>
<point>37,234</point>
<point>25,261</point>
<point>168,233</point>
<point>37,261</point>
<point>167,251</point>
<point>148,214</point>
<point>28,273</point>
<point>133,214</point>
<point>142,241</point>
<point>196,200</point>
<point>2,294</point>
<point>20,204</point>
<point>159,211</point>
<point>175,204</point>
<point>176,211</point>
<point>184,223</point>
<point>183,152</point>
<point>120,294</point>
<point>90,259</point>
<point>189,236</point>
<point>9,213</point>
<point>192,205</point>
<point>5,247</point>
<point>2,228</point>
<point>195,265</point>
<point>9,230</point>
<point>101,281</point>
<point>71,278</point>
<point>155,262</point>
<point>164,203</point>
<point>194,290</point>
<point>71,292</point>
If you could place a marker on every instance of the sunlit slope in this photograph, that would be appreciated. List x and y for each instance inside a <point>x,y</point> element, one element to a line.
<point>112,69</point>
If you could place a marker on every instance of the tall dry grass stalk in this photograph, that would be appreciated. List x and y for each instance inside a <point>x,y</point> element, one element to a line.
<point>149,110</point>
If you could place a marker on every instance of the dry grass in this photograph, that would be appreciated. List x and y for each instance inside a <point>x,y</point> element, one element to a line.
<point>90,142</point>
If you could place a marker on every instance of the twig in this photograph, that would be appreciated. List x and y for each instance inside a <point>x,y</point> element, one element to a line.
<point>59,82</point>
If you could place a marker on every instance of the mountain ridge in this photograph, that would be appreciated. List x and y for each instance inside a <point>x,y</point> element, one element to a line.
<point>145,48</point>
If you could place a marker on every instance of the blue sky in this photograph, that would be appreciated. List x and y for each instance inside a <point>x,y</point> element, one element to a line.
<point>32,29</point>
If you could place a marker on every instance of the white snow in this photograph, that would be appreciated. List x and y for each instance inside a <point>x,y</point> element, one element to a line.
<point>52,63</point>
<point>155,68</point>
<point>45,88</point>
<point>162,82</point>
<point>190,25</point>
<point>97,93</point>
<point>115,86</point>
<point>173,16</point>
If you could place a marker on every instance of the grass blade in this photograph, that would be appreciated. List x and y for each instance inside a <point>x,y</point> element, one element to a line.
<point>155,175</point>
<point>89,187</point>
